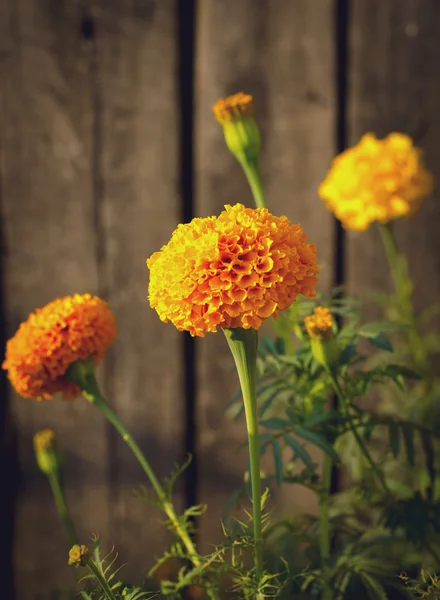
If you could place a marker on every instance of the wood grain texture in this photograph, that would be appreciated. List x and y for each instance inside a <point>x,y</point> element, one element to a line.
<point>281,52</point>
<point>394,86</point>
<point>139,207</point>
<point>47,212</point>
<point>89,191</point>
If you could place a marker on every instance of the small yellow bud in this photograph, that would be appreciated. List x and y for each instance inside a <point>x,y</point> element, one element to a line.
<point>78,556</point>
<point>46,453</point>
<point>319,326</point>
<point>235,115</point>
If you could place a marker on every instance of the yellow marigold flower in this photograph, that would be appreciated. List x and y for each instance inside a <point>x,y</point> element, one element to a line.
<point>376,180</point>
<point>319,323</point>
<point>62,332</point>
<point>231,271</point>
<point>78,556</point>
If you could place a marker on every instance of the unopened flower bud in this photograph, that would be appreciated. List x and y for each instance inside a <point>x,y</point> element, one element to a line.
<point>78,556</point>
<point>46,453</point>
<point>235,115</point>
<point>319,326</point>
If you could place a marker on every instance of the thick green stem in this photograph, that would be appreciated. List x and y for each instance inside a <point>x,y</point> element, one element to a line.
<point>83,375</point>
<point>243,344</point>
<point>345,407</point>
<point>252,172</point>
<point>403,292</point>
<point>61,504</point>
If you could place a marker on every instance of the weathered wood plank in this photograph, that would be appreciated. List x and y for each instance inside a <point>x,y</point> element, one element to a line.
<point>136,53</point>
<point>47,212</point>
<point>394,56</point>
<point>281,52</point>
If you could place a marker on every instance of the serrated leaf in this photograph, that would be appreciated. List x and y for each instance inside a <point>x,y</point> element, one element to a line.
<point>394,439</point>
<point>374,329</point>
<point>373,587</point>
<point>267,343</point>
<point>290,360</point>
<point>299,451</point>
<point>317,440</point>
<point>381,341</point>
<point>394,371</point>
<point>277,461</point>
<point>347,354</point>
<point>268,401</point>
<point>280,345</point>
<point>275,423</point>
<point>319,418</point>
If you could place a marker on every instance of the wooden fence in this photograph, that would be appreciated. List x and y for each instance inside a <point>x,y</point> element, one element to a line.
<point>107,141</point>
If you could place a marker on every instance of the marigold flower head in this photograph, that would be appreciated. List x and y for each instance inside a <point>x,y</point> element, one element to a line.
<point>51,339</point>
<point>319,323</point>
<point>234,270</point>
<point>78,555</point>
<point>376,180</point>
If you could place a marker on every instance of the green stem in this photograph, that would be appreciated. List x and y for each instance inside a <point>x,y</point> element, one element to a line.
<point>252,172</point>
<point>101,580</point>
<point>82,373</point>
<point>62,508</point>
<point>403,292</point>
<point>323,510</point>
<point>243,344</point>
<point>345,407</point>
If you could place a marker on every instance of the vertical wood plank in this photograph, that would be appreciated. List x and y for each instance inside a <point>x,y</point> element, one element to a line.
<point>394,86</point>
<point>282,53</point>
<point>47,213</point>
<point>136,81</point>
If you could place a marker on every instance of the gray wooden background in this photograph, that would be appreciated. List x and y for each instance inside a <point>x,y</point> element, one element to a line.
<point>107,141</point>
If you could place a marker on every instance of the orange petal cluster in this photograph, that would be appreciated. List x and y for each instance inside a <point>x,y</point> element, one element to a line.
<point>319,323</point>
<point>231,271</point>
<point>62,332</point>
<point>376,180</point>
<point>233,107</point>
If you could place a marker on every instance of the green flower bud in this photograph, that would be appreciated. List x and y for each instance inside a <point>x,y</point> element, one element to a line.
<point>325,348</point>
<point>46,453</point>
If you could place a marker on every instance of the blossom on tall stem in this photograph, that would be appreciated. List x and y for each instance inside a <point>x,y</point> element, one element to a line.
<point>234,271</point>
<point>377,180</point>
<point>55,351</point>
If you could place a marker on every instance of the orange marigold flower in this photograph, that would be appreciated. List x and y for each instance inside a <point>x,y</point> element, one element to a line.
<point>319,323</point>
<point>231,271</point>
<point>376,180</point>
<point>233,107</point>
<point>62,332</point>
